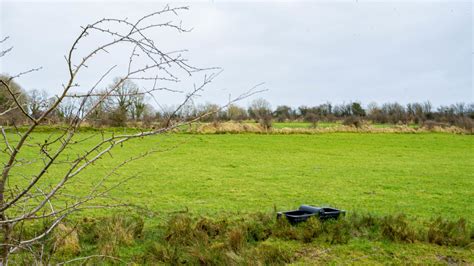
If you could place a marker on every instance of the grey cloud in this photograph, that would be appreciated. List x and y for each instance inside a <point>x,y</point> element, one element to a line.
<point>306,52</point>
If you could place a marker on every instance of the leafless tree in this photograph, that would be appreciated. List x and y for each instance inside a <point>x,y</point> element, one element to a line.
<point>66,110</point>
<point>37,102</point>
<point>236,113</point>
<point>261,110</point>
<point>41,195</point>
<point>9,113</point>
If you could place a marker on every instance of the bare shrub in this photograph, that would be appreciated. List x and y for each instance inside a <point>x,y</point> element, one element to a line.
<point>312,118</point>
<point>353,121</point>
<point>431,124</point>
<point>464,122</point>
<point>266,122</point>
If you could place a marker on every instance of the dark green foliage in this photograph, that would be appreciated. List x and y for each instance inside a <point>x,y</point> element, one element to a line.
<point>357,109</point>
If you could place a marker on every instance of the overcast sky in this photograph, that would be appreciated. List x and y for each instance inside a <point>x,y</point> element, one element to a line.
<point>307,53</point>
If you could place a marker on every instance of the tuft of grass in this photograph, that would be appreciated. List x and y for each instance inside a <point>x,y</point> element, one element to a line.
<point>397,228</point>
<point>180,230</point>
<point>274,253</point>
<point>284,230</point>
<point>66,241</point>
<point>209,227</point>
<point>260,239</point>
<point>236,238</point>
<point>116,231</point>
<point>313,228</point>
<point>158,252</point>
<point>258,227</point>
<point>337,231</point>
<point>450,233</point>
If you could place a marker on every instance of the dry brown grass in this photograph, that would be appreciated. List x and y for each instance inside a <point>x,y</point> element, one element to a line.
<point>117,231</point>
<point>66,240</point>
<point>234,128</point>
<point>236,238</point>
<point>229,127</point>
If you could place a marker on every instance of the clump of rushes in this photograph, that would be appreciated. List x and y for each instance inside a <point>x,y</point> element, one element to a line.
<point>116,231</point>
<point>66,241</point>
<point>450,233</point>
<point>397,228</point>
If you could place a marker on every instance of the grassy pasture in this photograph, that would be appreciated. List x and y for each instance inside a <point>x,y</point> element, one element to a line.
<point>424,175</point>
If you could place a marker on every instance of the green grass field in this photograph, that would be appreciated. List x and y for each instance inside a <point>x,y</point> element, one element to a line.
<point>417,174</point>
<point>423,175</point>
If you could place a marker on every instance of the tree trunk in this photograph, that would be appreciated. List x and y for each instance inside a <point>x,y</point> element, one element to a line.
<point>6,232</point>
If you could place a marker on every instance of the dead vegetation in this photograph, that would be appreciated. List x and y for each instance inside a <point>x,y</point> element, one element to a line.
<point>351,126</point>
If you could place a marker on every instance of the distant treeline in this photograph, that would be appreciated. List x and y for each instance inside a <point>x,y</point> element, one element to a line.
<point>125,107</point>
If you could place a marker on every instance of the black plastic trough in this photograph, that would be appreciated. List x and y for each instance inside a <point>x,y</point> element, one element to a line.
<point>306,211</point>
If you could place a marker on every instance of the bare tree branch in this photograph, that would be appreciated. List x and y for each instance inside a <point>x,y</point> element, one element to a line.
<point>47,198</point>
